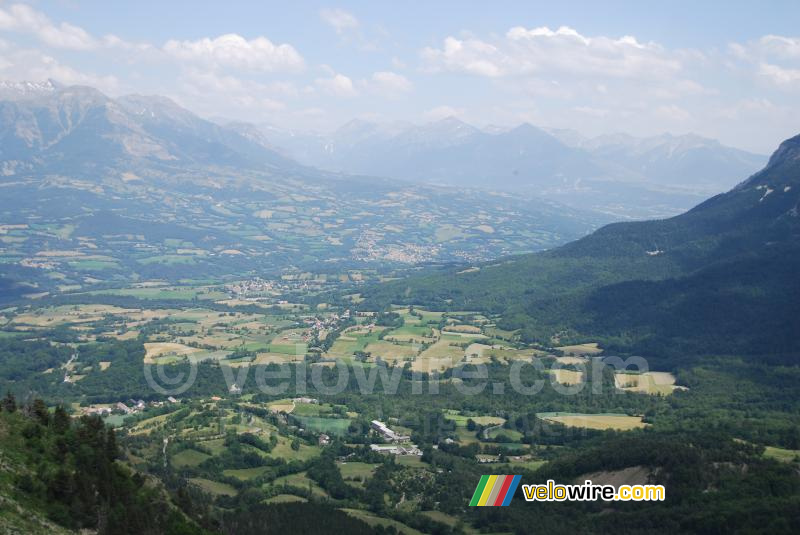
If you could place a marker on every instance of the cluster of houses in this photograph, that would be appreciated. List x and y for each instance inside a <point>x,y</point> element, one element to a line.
<point>327,323</point>
<point>399,446</point>
<point>389,435</point>
<point>396,449</point>
<point>130,406</point>
<point>247,288</point>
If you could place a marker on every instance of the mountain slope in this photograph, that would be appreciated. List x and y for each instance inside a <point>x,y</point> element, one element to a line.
<point>61,476</point>
<point>719,277</point>
<point>80,130</point>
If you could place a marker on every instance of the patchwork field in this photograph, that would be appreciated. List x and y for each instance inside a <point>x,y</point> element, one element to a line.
<point>158,350</point>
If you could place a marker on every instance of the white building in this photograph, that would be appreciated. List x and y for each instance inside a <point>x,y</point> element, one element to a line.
<point>387,433</point>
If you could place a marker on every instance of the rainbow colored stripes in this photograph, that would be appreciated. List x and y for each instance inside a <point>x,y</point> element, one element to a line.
<point>495,491</point>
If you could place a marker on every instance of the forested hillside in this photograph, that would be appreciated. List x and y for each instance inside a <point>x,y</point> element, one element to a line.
<point>682,284</point>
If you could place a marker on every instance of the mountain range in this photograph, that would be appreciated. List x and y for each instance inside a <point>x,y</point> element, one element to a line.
<point>616,174</point>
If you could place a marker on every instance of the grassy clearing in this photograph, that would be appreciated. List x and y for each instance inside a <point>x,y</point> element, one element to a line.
<point>581,349</point>
<point>285,498</point>
<point>373,520</point>
<point>282,405</point>
<point>439,356</point>
<point>188,458</point>
<point>357,470</point>
<point>332,426</point>
<point>302,481</point>
<point>648,383</point>
<point>449,520</point>
<point>284,450</point>
<point>621,422</point>
<point>461,420</point>
<point>213,487</point>
<point>246,473</point>
<point>780,454</point>
<point>510,434</point>
<point>391,352</point>
<point>154,350</point>
<point>568,377</point>
<point>410,461</point>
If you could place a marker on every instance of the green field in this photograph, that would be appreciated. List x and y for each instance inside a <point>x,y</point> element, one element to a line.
<point>332,426</point>
<point>188,458</point>
<point>301,481</point>
<point>285,498</point>
<point>213,487</point>
<point>246,473</point>
<point>357,470</point>
<point>373,520</point>
<point>780,454</point>
<point>461,420</point>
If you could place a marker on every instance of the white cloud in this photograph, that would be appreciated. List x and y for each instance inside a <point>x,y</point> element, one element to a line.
<point>593,112</point>
<point>339,19</point>
<point>390,83</point>
<point>771,58</point>
<point>443,112</point>
<point>541,50</point>
<point>232,93</point>
<point>672,113</point>
<point>26,65</point>
<point>338,85</point>
<point>471,56</point>
<point>235,52</point>
<point>779,75</point>
<point>24,19</point>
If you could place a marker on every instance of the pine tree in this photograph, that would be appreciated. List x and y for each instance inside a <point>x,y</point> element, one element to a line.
<point>40,412</point>
<point>61,420</point>
<point>9,403</point>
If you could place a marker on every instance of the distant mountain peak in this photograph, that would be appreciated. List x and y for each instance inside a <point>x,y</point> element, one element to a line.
<point>788,151</point>
<point>10,90</point>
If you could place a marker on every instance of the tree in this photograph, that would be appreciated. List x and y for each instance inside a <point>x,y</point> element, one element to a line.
<point>61,420</point>
<point>9,403</point>
<point>40,412</point>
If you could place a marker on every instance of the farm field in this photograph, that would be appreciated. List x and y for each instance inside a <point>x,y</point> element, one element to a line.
<point>213,487</point>
<point>648,383</point>
<point>581,349</point>
<point>620,422</point>
<point>285,498</point>
<point>373,520</point>
<point>301,481</point>
<point>567,377</point>
<point>781,454</point>
<point>461,420</point>
<point>188,458</point>
<point>357,471</point>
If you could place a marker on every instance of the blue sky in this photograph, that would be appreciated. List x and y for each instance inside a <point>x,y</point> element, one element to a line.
<point>728,70</point>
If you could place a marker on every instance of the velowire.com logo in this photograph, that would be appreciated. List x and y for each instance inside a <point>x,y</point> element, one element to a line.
<point>495,490</point>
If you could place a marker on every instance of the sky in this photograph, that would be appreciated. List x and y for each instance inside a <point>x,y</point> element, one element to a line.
<point>727,70</point>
